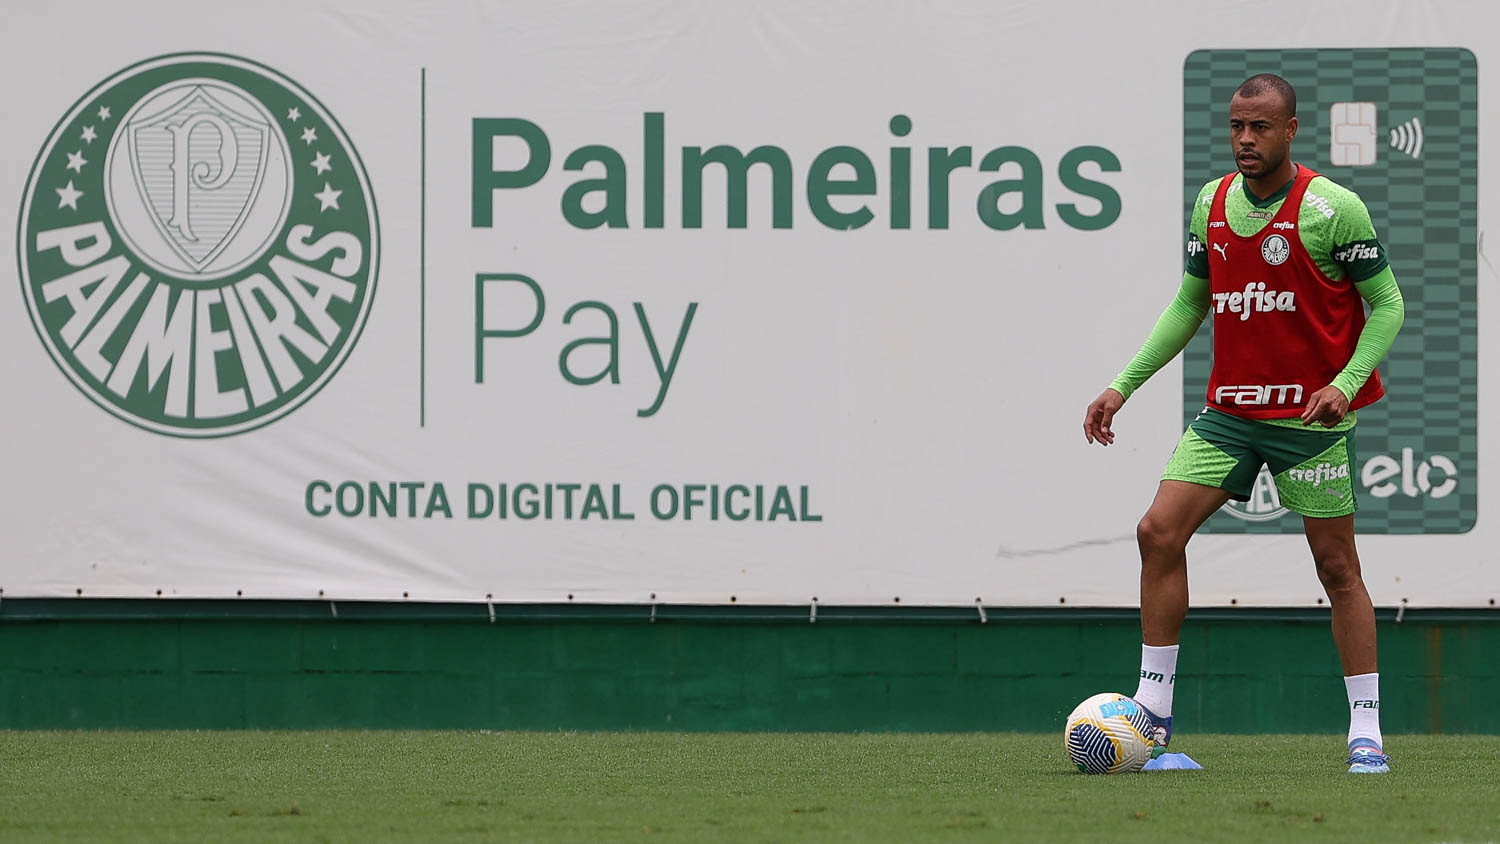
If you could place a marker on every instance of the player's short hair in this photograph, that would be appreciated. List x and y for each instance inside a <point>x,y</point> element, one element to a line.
<point>1270,83</point>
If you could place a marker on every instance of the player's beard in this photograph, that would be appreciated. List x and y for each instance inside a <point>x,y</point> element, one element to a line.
<point>1261,166</point>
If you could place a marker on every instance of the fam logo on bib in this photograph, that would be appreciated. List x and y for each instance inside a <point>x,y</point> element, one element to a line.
<point>198,245</point>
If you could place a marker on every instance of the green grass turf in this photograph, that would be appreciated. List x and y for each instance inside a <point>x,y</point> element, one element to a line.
<point>361,786</point>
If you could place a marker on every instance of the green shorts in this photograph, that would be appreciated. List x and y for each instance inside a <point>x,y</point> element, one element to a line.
<point>1312,467</point>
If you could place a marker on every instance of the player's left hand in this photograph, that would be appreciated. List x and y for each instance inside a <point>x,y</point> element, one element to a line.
<point>1327,407</point>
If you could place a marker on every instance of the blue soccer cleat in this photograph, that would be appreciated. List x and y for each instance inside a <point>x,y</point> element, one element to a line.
<point>1365,757</point>
<point>1160,732</point>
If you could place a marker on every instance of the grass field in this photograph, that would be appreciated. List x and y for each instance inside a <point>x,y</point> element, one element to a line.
<point>348,786</point>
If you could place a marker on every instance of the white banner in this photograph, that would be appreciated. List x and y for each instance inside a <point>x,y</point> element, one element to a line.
<point>751,303</point>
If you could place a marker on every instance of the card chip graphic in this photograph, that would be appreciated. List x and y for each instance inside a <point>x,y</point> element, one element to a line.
<point>1352,143</point>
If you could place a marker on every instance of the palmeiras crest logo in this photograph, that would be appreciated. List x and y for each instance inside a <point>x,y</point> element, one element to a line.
<point>1275,250</point>
<point>1264,504</point>
<point>198,245</point>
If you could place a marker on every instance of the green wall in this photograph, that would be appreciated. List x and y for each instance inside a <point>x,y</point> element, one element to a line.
<point>205,664</point>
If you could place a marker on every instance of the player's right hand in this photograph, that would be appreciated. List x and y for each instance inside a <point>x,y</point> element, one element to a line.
<point>1100,415</point>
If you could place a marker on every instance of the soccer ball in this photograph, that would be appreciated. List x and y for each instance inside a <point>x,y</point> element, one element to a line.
<point>1106,734</point>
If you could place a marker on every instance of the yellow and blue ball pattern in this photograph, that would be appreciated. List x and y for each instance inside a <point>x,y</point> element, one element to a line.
<point>1106,734</point>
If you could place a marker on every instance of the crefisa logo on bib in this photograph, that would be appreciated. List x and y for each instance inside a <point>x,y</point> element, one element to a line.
<point>198,245</point>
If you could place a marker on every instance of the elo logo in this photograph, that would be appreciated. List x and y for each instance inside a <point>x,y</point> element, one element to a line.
<point>1380,476</point>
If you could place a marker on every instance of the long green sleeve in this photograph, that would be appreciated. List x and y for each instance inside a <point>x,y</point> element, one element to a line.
<point>1171,334</point>
<point>1387,312</point>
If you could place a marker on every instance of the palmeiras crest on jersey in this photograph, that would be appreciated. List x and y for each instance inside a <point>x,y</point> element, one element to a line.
<point>1275,250</point>
<point>198,245</point>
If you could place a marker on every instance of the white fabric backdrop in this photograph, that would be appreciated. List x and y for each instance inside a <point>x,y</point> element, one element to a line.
<point>925,386</point>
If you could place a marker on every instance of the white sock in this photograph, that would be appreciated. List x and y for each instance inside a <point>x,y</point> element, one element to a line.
<point>1158,674</point>
<point>1364,706</point>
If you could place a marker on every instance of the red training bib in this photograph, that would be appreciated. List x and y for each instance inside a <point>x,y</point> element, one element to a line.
<point>1282,329</point>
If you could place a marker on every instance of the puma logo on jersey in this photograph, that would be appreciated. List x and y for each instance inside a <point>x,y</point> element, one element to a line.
<point>1222,252</point>
<point>1255,298</point>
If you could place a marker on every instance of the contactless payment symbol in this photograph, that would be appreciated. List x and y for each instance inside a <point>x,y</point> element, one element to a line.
<point>1407,138</point>
<point>198,245</point>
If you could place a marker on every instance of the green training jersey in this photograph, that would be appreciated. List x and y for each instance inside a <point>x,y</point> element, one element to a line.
<point>1333,223</point>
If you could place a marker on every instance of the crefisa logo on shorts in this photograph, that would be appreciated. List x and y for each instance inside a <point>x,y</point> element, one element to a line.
<point>1383,476</point>
<point>198,245</point>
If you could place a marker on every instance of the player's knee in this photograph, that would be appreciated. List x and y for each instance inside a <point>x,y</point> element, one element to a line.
<point>1338,572</point>
<point>1157,536</point>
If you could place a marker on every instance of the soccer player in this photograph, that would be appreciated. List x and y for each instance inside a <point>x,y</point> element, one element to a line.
<point>1285,260</point>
